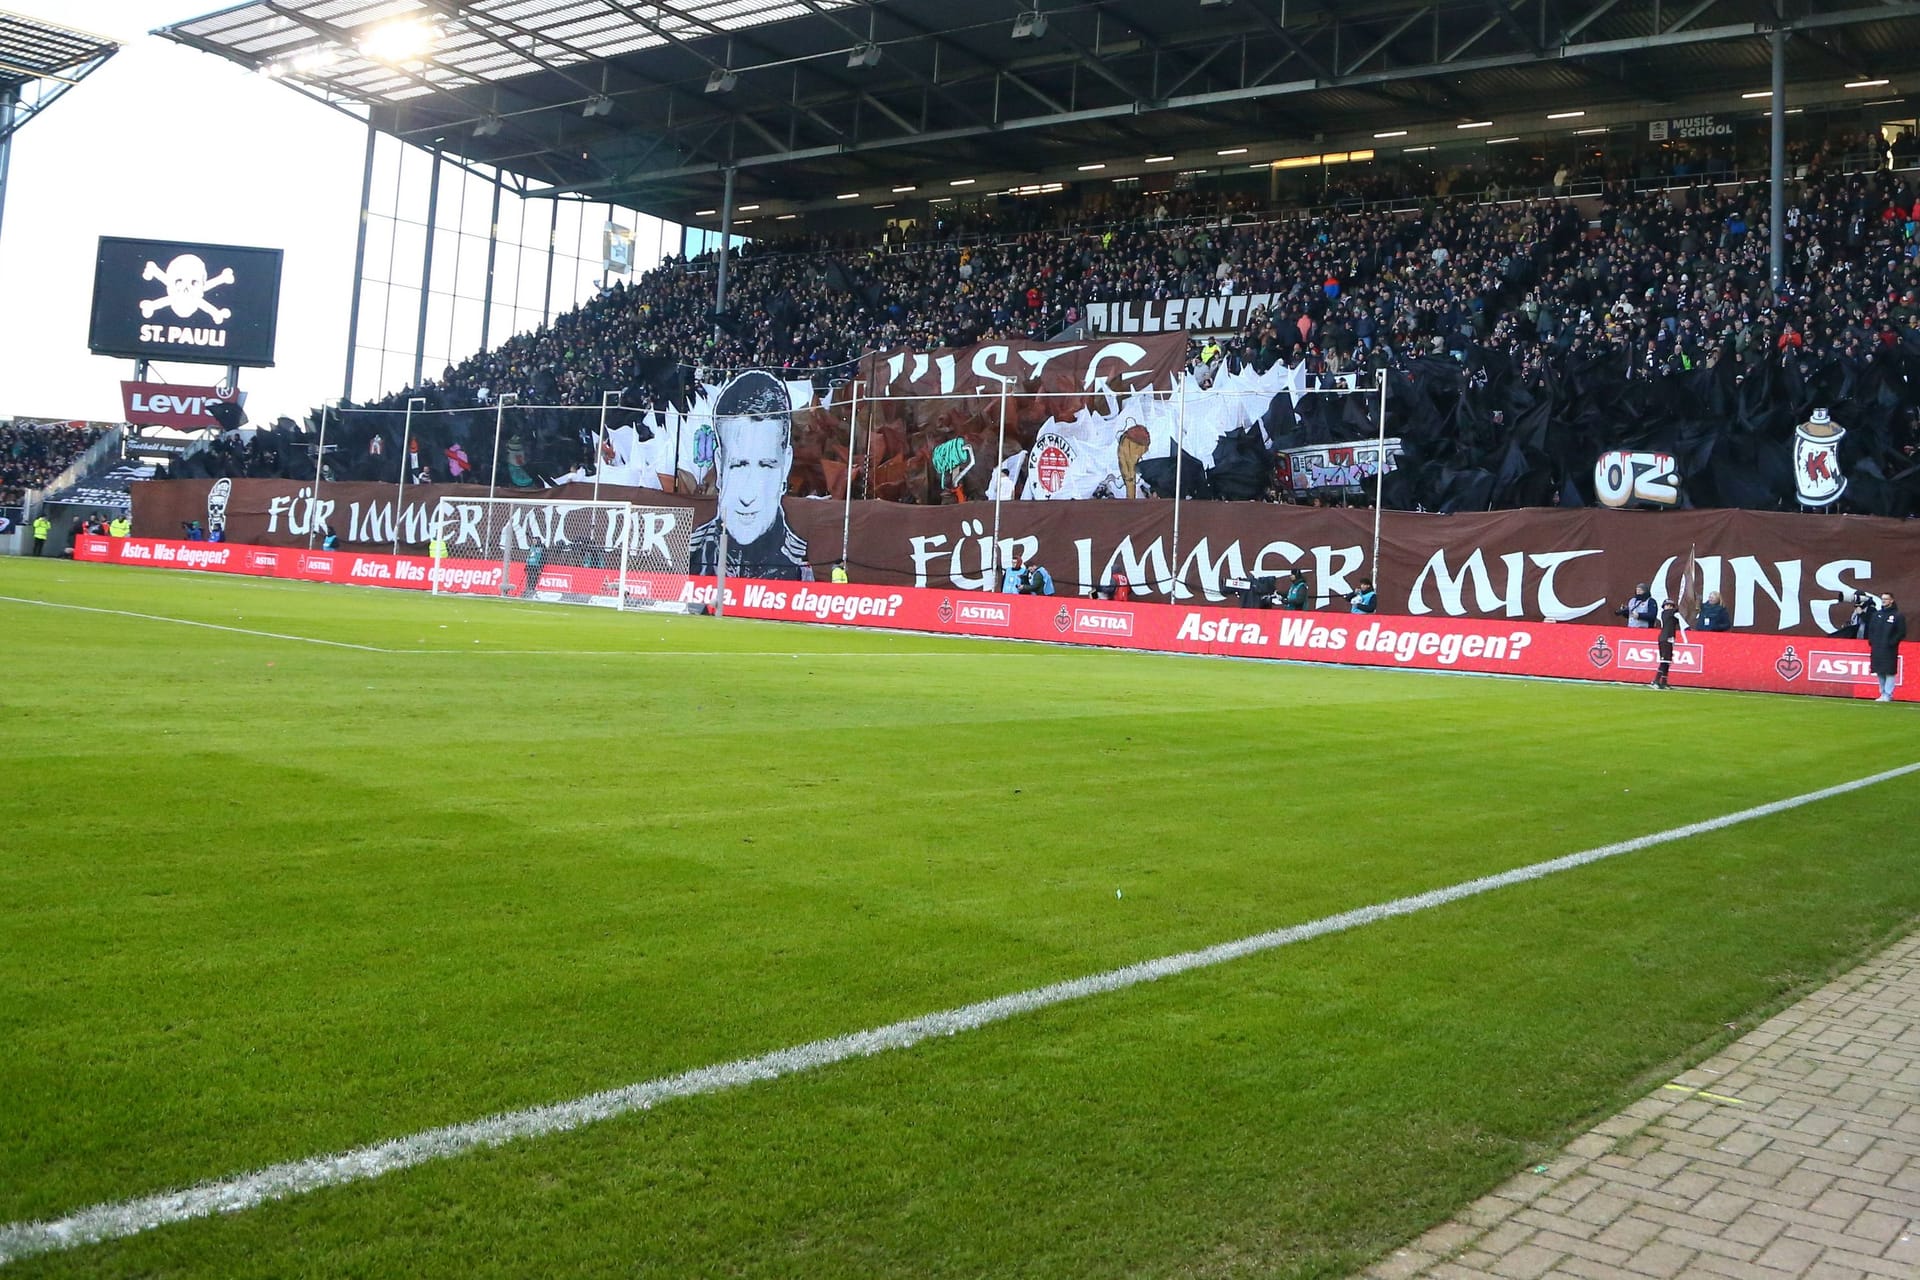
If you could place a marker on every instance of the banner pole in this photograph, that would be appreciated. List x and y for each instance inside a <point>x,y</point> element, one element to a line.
<point>999,461</point>
<point>1179,461</point>
<point>678,420</point>
<point>400,490</point>
<point>720,574</point>
<point>846,520</point>
<point>319,456</point>
<point>1379,477</point>
<point>607,398</point>
<point>493,471</point>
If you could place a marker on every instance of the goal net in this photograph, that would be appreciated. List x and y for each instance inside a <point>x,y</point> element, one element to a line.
<point>615,554</point>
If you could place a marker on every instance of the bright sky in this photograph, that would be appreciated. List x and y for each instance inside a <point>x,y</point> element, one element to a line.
<point>170,143</point>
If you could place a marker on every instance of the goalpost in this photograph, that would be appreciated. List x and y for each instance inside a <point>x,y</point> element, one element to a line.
<point>619,555</point>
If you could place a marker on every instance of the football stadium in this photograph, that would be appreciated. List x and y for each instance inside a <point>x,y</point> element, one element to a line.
<point>1069,638</point>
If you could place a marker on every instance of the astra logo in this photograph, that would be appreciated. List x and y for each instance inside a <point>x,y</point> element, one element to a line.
<point>1840,667</point>
<point>985,613</point>
<point>1106,622</point>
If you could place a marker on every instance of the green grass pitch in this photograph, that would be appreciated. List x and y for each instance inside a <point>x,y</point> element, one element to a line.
<point>265,899</point>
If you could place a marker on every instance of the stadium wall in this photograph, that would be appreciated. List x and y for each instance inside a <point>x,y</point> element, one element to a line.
<point>1779,572</point>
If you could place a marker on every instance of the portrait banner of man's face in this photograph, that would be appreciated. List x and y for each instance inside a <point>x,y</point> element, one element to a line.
<point>753,456</point>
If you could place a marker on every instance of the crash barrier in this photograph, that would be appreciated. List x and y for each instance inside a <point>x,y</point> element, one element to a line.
<point>1567,651</point>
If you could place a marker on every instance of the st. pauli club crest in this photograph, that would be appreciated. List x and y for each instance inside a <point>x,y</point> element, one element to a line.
<point>1600,653</point>
<point>1051,462</point>
<point>1062,621</point>
<point>946,609</point>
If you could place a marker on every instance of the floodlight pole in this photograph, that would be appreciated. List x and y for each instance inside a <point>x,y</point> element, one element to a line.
<point>999,461</point>
<point>720,275</point>
<point>1777,166</point>
<point>8,106</point>
<point>426,272</point>
<point>400,490</point>
<point>360,265</point>
<point>853,426</point>
<point>493,253</point>
<point>499,413</point>
<point>319,460</point>
<point>1179,459</point>
<point>1379,476</point>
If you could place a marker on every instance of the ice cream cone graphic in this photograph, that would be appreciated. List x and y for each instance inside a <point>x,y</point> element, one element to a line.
<point>1131,448</point>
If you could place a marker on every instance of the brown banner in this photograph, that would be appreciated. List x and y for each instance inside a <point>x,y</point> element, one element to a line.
<point>1121,365</point>
<point>1776,571</point>
<point>960,400</point>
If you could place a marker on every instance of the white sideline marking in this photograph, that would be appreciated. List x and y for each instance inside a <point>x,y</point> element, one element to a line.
<point>277,1182</point>
<point>189,622</point>
<point>741,653</point>
<point>518,653</point>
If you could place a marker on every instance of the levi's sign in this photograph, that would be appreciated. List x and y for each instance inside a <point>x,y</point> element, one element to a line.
<point>162,405</point>
<point>173,300</point>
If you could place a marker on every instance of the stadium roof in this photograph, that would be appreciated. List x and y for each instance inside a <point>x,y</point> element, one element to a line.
<point>49,57</point>
<point>648,102</point>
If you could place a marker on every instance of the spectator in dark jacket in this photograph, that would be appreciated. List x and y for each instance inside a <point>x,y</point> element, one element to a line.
<point>1713,615</point>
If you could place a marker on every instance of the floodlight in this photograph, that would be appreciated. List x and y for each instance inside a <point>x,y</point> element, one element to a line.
<point>399,41</point>
<point>1030,25</point>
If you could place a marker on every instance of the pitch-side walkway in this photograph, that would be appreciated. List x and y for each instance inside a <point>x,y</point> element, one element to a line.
<point>1793,1152</point>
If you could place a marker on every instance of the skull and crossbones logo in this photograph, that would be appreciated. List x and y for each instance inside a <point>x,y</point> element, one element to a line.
<point>187,284</point>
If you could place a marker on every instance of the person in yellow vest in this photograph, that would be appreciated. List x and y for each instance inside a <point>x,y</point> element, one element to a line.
<point>840,571</point>
<point>120,527</point>
<point>41,528</point>
<point>438,550</point>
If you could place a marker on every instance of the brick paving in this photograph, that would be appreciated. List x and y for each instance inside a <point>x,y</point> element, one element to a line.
<point>1794,1152</point>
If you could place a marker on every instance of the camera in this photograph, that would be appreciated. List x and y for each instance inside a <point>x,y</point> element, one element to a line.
<point>1865,600</point>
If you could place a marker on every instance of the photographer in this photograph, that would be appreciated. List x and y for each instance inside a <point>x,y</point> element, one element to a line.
<point>1855,627</point>
<point>1035,581</point>
<point>1365,600</point>
<point>1300,593</point>
<point>1260,593</point>
<point>1016,574</point>
<point>1885,628</point>
<point>1642,610</point>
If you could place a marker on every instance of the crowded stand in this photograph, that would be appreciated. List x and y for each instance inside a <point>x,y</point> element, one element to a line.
<point>1523,334</point>
<point>33,454</point>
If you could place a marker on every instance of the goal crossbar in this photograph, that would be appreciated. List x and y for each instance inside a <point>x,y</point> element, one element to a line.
<point>616,554</point>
